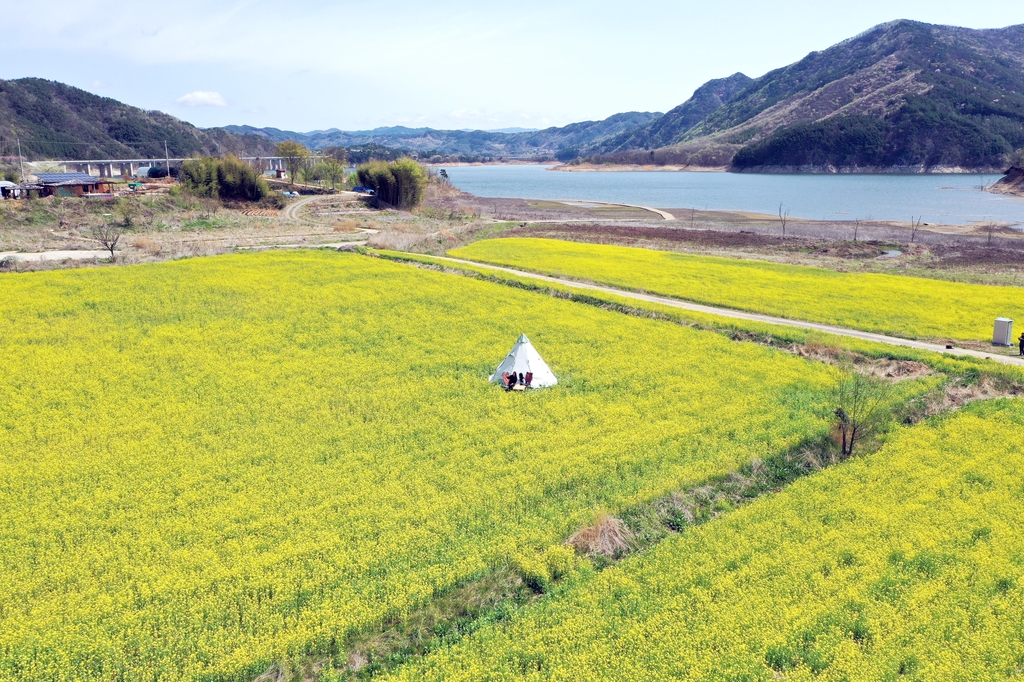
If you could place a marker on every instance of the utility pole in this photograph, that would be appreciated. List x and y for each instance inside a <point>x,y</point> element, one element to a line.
<point>167,159</point>
<point>21,161</point>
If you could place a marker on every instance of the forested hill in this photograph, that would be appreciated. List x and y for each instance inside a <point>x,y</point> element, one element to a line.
<point>57,121</point>
<point>671,127</point>
<point>901,96</point>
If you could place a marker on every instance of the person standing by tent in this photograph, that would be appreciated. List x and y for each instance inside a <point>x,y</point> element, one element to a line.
<point>1021,343</point>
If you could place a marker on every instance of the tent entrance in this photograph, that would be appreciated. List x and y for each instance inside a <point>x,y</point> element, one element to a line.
<point>527,365</point>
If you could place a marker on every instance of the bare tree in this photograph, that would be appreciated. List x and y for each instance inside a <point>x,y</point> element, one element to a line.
<point>67,212</point>
<point>693,213</point>
<point>208,206</point>
<point>856,228</point>
<point>783,218</point>
<point>990,228</point>
<point>109,234</point>
<point>259,165</point>
<point>128,210</point>
<point>915,225</point>
<point>862,408</point>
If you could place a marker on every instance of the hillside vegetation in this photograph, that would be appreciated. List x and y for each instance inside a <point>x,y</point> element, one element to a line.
<point>57,121</point>
<point>903,565</point>
<point>904,95</point>
<point>671,127</point>
<point>925,309</point>
<point>260,454</point>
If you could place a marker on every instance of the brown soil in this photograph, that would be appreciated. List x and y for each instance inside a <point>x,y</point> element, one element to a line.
<point>1011,183</point>
<point>965,255</point>
<point>634,235</point>
<point>928,256</point>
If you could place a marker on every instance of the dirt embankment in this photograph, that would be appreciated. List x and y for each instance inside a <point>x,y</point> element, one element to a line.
<point>1012,183</point>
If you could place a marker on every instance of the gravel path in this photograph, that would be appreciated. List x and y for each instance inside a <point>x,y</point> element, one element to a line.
<point>754,317</point>
<point>56,255</point>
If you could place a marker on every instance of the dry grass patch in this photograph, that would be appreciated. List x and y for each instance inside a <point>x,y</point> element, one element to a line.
<point>608,537</point>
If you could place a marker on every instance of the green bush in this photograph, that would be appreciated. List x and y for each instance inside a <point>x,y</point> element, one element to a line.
<point>399,183</point>
<point>229,179</point>
<point>199,176</point>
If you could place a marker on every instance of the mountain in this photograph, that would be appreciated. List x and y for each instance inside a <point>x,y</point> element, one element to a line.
<point>671,127</point>
<point>57,121</point>
<point>903,96</point>
<point>470,144</point>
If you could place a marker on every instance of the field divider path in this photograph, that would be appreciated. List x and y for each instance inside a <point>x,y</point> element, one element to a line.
<point>742,315</point>
<point>570,202</point>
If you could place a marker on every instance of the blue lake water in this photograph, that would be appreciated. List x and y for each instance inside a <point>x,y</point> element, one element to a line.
<point>950,199</point>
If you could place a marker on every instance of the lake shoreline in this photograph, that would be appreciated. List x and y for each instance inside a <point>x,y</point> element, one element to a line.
<point>616,168</point>
<point>955,199</point>
<point>767,170</point>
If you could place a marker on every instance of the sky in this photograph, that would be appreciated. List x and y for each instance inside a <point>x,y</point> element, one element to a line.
<point>443,64</point>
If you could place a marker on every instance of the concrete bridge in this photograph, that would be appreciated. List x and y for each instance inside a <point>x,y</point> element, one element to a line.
<point>112,168</point>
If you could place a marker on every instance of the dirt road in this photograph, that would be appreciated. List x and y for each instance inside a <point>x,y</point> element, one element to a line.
<point>664,214</point>
<point>56,255</point>
<point>754,317</point>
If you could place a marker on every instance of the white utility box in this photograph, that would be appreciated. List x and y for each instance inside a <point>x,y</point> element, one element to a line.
<point>1003,335</point>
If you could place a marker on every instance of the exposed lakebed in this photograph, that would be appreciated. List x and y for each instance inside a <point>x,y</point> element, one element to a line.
<point>955,199</point>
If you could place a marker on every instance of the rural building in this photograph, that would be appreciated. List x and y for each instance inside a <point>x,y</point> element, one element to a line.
<point>9,190</point>
<point>71,184</point>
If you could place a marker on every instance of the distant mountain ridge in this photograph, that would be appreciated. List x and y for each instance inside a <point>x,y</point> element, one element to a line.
<point>903,96</point>
<point>470,143</point>
<point>57,121</point>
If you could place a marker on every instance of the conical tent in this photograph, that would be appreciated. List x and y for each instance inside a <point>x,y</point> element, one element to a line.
<point>524,358</point>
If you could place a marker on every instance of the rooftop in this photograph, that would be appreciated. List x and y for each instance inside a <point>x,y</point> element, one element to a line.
<point>67,178</point>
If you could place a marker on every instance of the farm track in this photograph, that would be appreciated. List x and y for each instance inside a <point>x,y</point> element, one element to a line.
<point>755,317</point>
<point>291,212</point>
<point>665,215</point>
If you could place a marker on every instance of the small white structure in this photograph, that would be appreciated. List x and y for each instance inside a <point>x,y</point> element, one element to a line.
<point>1003,335</point>
<point>523,359</point>
<point>143,171</point>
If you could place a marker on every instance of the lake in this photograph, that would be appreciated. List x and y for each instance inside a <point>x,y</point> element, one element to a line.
<point>950,199</point>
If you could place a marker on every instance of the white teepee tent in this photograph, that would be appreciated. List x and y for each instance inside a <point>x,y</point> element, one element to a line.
<point>524,358</point>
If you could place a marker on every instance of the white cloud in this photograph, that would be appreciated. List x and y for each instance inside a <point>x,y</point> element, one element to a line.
<point>203,98</point>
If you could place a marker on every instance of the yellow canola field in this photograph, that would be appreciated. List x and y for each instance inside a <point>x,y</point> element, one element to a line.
<point>906,564</point>
<point>955,365</point>
<point>211,464</point>
<point>908,307</point>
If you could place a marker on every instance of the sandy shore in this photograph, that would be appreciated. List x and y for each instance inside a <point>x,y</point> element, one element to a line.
<point>603,167</point>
